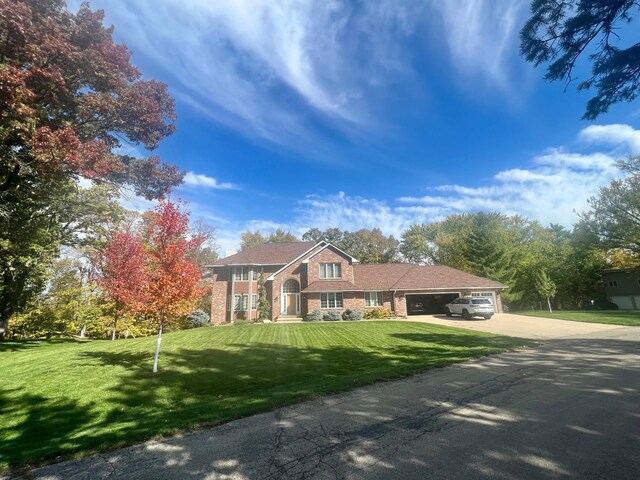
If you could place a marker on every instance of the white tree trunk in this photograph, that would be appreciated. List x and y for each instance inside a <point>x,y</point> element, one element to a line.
<point>549,303</point>
<point>155,358</point>
<point>83,331</point>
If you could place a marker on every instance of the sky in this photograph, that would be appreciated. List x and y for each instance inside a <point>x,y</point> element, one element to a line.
<point>358,114</point>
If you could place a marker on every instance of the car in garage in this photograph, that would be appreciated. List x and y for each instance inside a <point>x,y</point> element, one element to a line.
<point>470,307</point>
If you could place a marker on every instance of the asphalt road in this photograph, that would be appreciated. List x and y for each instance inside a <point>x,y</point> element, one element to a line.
<point>567,409</point>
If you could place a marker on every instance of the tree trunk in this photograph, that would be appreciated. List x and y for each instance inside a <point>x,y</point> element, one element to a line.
<point>115,325</point>
<point>549,303</point>
<point>83,330</point>
<point>155,358</point>
<point>4,326</point>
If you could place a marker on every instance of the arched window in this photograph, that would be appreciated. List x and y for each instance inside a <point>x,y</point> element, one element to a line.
<point>291,286</point>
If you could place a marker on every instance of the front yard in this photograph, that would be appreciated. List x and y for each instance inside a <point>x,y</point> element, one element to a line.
<point>614,317</point>
<point>61,399</point>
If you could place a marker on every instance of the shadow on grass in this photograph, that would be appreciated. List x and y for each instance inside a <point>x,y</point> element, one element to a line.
<point>199,387</point>
<point>14,345</point>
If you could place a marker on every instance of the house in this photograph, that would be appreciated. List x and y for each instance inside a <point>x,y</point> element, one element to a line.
<point>623,287</point>
<point>303,276</point>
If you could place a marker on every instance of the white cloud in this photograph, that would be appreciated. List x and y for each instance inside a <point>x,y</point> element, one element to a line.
<point>482,37</point>
<point>614,134</point>
<point>273,69</point>
<point>200,180</point>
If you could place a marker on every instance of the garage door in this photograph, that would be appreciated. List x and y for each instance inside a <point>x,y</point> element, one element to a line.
<point>490,295</point>
<point>428,304</point>
<point>623,302</point>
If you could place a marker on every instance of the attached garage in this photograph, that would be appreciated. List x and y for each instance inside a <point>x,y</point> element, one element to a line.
<point>428,303</point>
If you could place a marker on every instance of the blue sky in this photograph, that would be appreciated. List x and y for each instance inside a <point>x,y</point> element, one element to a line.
<point>365,114</point>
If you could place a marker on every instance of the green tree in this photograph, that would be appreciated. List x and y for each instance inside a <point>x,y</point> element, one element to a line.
<point>614,217</point>
<point>545,287</point>
<point>42,217</point>
<point>561,32</point>
<point>264,307</point>
<point>368,246</point>
<point>253,239</point>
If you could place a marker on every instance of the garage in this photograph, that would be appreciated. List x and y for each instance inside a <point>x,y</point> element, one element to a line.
<point>428,303</point>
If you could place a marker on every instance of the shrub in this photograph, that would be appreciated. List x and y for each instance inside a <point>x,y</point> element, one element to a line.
<point>352,314</point>
<point>242,321</point>
<point>314,316</point>
<point>378,313</point>
<point>198,318</point>
<point>332,316</point>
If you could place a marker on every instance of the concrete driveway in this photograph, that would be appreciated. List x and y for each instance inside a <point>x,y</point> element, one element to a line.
<point>569,409</point>
<point>520,325</point>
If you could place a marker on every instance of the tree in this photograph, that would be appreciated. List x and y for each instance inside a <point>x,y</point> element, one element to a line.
<point>123,275</point>
<point>368,246</point>
<point>69,97</point>
<point>545,287</point>
<point>560,32</point>
<point>417,243</point>
<point>253,239</point>
<point>43,216</point>
<point>615,211</point>
<point>264,307</point>
<point>173,286</point>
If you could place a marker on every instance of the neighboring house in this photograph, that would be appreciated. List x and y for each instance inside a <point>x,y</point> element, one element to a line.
<point>304,276</point>
<point>623,287</point>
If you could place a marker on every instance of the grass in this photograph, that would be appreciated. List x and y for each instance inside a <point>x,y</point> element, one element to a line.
<point>614,317</point>
<point>64,399</point>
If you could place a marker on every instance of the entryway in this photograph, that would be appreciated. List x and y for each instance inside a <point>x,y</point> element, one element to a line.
<point>291,298</point>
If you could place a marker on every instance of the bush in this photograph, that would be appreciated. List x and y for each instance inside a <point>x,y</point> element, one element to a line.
<point>242,321</point>
<point>314,316</point>
<point>332,316</point>
<point>378,313</point>
<point>198,318</point>
<point>352,314</point>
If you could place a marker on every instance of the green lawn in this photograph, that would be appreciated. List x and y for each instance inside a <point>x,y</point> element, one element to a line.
<point>61,399</point>
<point>615,317</point>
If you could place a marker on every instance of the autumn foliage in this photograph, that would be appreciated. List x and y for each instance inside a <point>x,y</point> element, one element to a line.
<point>69,95</point>
<point>152,274</point>
<point>173,279</point>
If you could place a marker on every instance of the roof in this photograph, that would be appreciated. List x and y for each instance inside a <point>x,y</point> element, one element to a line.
<point>405,276</point>
<point>279,253</point>
<point>331,286</point>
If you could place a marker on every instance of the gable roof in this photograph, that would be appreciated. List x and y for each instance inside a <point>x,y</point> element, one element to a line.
<point>279,253</point>
<point>405,276</point>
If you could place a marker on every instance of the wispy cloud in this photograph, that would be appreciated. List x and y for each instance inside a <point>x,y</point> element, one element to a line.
<point>278,69</point>
<point>551,188</point>
<point>201,180</point>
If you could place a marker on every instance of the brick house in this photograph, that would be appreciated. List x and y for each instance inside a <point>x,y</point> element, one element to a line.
<point>304,276</point>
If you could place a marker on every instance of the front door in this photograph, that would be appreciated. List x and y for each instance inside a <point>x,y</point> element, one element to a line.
<point>292,303</point>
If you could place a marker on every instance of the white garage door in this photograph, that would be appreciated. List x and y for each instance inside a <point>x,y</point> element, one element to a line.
<point>489,295</point>
<point>624,302</point>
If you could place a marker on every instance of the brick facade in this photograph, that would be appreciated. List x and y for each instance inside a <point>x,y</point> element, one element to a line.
<point>306,271</point>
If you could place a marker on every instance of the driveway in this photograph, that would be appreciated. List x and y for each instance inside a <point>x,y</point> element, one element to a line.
<point>520,325</point>
<point>569,408</point>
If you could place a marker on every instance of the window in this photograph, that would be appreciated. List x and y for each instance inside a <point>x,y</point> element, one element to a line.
<point>241,274</point>
<point>613,283</point>
<point>254,301</point>
<point>330,270</point>
<point>373,299</point>
<point>331,300</point>
<point>255,276</point>
<point>291,286</point>
<point>240,302</point>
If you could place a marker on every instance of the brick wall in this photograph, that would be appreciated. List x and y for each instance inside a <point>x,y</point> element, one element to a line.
<point>328,255</point>
<point>219,295</point>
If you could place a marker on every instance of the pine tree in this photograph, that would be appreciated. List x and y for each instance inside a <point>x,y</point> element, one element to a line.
<point>264,307</point>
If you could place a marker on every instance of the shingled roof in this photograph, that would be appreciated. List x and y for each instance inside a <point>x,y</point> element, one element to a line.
<point>279,253</point>
<point>404,276</point>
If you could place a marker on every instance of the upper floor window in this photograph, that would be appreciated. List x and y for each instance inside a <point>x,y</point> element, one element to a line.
<point>373,299</point>
<point>330,270</point>
<point>613,283</point>
<point>241,274</point>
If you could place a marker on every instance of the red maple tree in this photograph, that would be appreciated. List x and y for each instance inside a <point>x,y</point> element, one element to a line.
<point>173,285</point>
<point>122,274</point>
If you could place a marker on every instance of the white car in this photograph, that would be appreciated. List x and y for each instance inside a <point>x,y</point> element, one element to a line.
<point>470,307</point>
